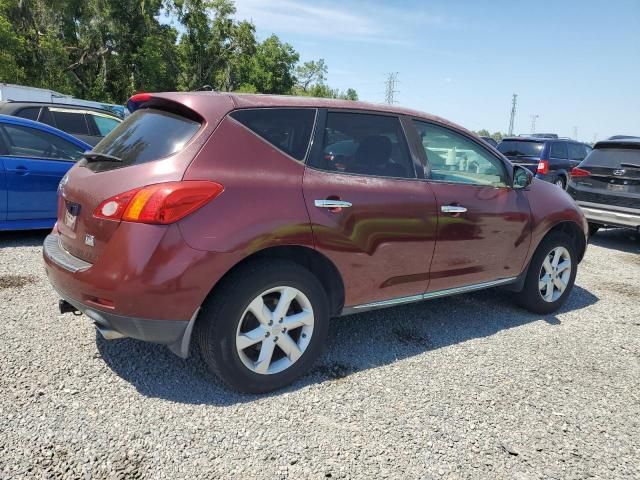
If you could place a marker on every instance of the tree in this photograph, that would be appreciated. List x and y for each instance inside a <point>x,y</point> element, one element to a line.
<point>484,133</point>
<point>270,70</point>
<point>311,72</point>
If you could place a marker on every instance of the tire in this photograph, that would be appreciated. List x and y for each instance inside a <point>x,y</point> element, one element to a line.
<point>532,297</point>
<point>560,182</point>
<point>228,317</point>
<point>593,228</point>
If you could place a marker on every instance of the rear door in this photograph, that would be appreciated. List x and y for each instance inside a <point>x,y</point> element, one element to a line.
<point>34,162</point>
<point>558,156</point>
<point>369,212</point>
<point>483,224</point>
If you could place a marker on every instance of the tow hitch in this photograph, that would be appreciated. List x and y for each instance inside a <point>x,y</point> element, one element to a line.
<point>66,307</point>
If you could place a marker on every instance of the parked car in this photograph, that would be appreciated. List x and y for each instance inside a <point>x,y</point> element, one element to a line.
<point>490,141</point>
<point>88,124</point>
<point>550,159</point>
<point>33,159</point>
<point>606,185</point>
<point>229,221</point>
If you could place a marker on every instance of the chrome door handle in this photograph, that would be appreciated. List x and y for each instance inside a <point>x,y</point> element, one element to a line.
<point>332,204</point>
<point>452,209</point>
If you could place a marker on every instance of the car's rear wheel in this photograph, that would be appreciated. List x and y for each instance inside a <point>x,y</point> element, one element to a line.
<point>264,327</point>
<point>560,182</point>
<point>593,228</point>
<point>551,274</point>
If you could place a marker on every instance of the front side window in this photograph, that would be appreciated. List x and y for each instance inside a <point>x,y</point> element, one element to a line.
<point>456,159</point>
<point>558,150</point>
<point>365,144</point>
<point>33,143</point>
<point>288,129</point>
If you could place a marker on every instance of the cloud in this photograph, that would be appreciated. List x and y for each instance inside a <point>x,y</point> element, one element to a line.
<point>381,25</point>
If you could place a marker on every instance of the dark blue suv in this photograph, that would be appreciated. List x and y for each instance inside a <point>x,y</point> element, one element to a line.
<point>550,159</point>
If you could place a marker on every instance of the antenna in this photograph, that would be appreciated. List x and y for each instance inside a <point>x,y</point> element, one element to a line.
<point>514,101</point>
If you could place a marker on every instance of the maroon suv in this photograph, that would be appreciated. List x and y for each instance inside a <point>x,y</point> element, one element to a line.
<point>242,223</point>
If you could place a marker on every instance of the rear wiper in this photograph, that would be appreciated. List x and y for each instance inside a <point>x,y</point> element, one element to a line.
<point>101,156</point>
<point>630,165</point>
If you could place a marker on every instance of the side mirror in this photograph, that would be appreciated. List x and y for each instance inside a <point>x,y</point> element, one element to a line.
<point>522,177</point>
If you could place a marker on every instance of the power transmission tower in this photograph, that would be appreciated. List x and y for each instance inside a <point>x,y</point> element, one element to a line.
<point>533,123</point>
<point>390,88</point>
<point>513,113</point>
<point>575,133</point>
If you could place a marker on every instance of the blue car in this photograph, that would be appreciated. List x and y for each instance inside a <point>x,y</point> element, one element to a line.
<point>33,159</point>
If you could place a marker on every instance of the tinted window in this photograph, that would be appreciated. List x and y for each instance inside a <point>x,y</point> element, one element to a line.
<point>31,113</point>
<point>365,144</point>
<point>558,150</point>
<point>519,148</point>
<point>288,129</point>
<point>30,142</point>
<point>147,134</point>
<point>105,124</point>
<point>577,151</point>
<point>455,158</point>
<point>70,121</point>
<point>612,158</point>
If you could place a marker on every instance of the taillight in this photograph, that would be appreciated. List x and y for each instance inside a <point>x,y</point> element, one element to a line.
<point>136,100</point>
<point>579,172</point>
<point>543,167</point>
<point>161,203</point>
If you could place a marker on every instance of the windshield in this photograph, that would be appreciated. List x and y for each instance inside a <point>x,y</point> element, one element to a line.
<point>519,148</point>
<point>148,134</point>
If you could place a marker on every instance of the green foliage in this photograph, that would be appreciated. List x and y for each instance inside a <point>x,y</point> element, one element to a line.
<point>108,50</point>
<point>497,136</point>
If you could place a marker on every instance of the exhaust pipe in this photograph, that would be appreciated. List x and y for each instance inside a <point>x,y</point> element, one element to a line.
<point>66,307</point>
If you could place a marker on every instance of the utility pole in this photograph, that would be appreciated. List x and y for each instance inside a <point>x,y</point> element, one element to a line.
<point>533,123</point>
<point>514,100</point>
<point>390,88</point>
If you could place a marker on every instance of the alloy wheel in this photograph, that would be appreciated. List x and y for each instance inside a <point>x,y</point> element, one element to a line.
<point>555,274</point>
<point>275,330</point>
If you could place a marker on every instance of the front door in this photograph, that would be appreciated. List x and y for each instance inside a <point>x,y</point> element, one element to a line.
<point>483,224</point>
<point>369,213</point>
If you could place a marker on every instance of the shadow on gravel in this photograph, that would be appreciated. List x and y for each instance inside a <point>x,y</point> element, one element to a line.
<point>29,238</point>
<point>618,239</point>
<point>356,343</point>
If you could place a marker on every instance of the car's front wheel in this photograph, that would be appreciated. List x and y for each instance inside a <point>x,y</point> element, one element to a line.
<point>551,274</point>
<point>265,326</point>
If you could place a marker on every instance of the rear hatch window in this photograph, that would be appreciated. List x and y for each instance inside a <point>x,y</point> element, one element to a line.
<point>519,148</point>
<point>147,134</point>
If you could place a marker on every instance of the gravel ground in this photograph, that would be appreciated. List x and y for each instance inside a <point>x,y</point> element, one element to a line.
<point>465,387</point>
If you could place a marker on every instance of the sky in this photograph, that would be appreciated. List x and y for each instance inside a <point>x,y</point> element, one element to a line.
<point>574,64</point>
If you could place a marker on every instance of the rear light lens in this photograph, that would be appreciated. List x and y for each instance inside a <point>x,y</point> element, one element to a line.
<point>162,203</point>
<point>543,167</point>
<point>579,172</point>
<point>136,100</point>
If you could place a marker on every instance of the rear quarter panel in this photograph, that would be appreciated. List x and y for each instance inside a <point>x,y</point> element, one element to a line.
<point>262,204</point>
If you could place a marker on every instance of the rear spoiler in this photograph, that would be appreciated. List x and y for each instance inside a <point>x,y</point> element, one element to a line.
<point>628,144</point>
<point>140,100</point>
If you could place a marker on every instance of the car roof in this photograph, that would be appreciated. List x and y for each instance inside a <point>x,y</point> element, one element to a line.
<point>44,127</point>
<point>8,104</point>
<point>619,142</point>
<point>252,100</point>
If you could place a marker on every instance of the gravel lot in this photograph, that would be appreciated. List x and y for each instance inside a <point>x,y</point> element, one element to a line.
<point>465,387</point>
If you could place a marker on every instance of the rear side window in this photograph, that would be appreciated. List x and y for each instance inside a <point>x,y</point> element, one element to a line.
<point>71,122</point>
<point>519,148</point>
<point>105,124</point>
<point>147,134</point>
<point>558,150</point>
<point>288,129</point>
<point>577,151</point>
<point>31,113</point>
<point>365,144</point>
<point>33,143</point>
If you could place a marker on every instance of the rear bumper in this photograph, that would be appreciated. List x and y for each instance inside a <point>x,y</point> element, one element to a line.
<point>605,215</point>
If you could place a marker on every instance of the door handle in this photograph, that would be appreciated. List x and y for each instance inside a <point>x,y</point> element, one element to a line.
<point>20,170</point>
<point>332,204</point>
<point>452,209</point>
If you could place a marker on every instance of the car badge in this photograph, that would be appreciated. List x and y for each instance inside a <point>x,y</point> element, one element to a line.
<point>89,240</point>
<point>619,172</point>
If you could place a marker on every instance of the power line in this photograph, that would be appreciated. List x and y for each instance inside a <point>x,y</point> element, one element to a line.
<point>514,101</point>
<point>390,88</point>
<point>533,123</point>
